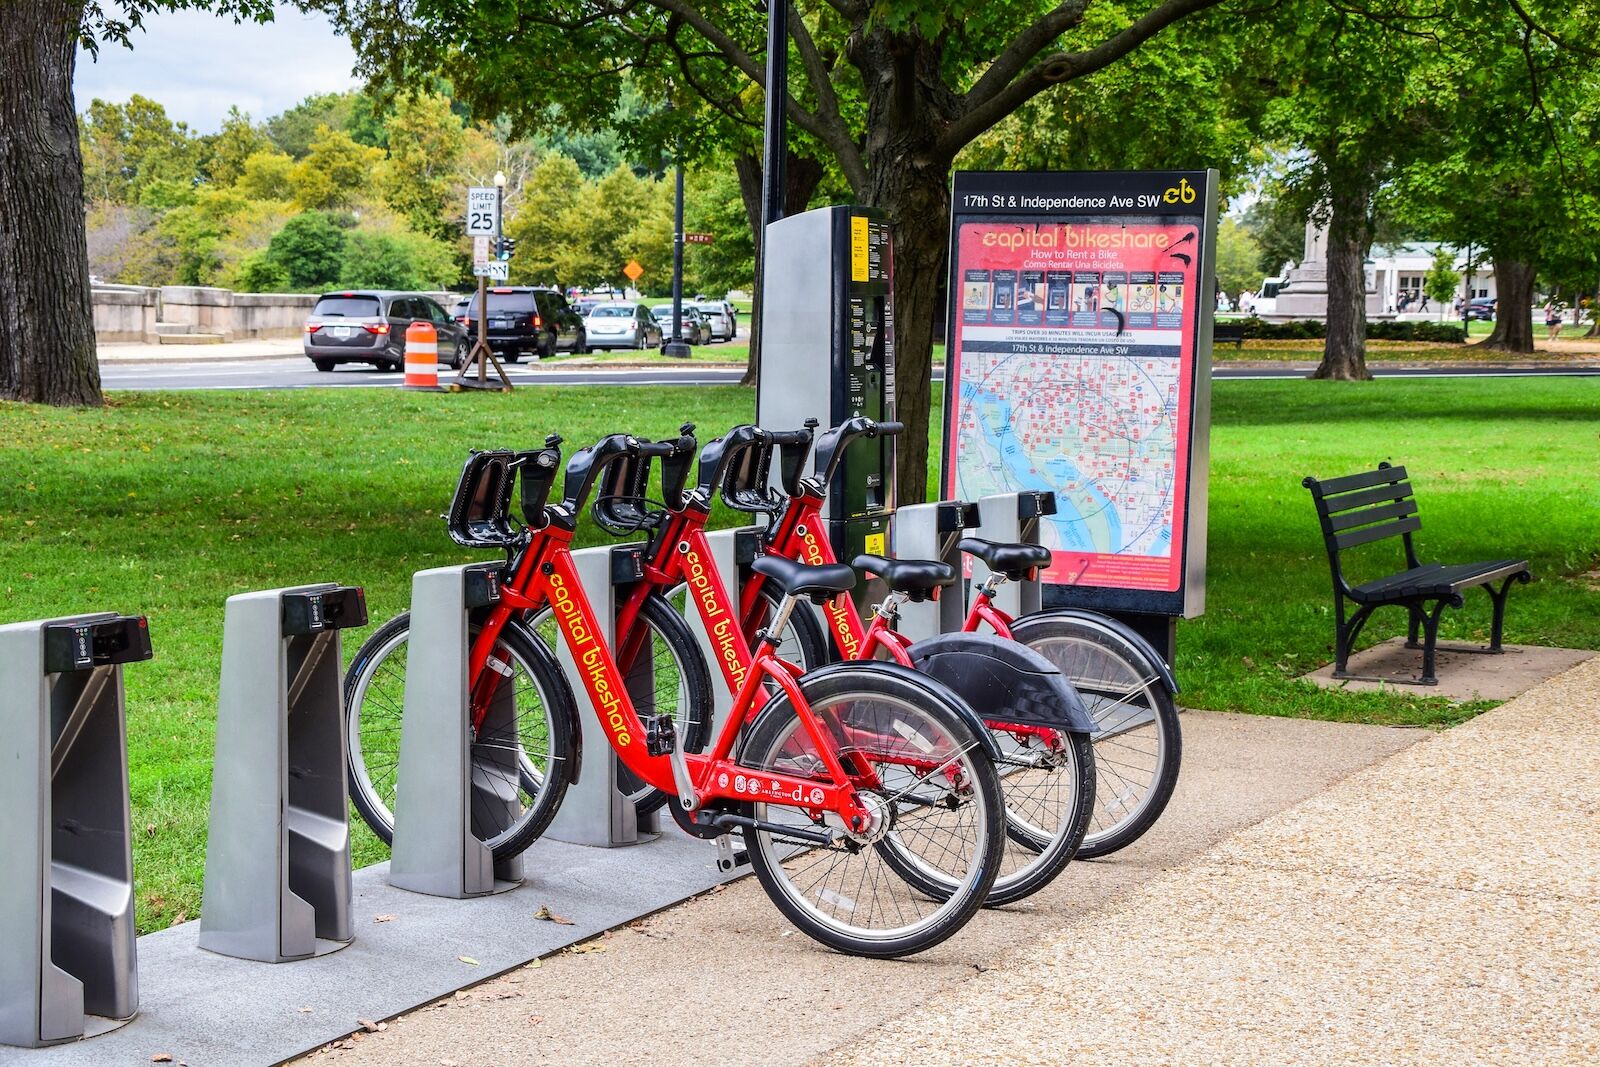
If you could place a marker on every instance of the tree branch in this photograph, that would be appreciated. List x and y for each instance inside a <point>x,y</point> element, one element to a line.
<point>1062,67</point>
<point>838,136</point>
<point>1027,44</point>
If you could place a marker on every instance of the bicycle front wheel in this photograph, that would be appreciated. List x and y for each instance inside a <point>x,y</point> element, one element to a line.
<point>519,757</point>
<point>1138,743</point>
<point>937,806</point>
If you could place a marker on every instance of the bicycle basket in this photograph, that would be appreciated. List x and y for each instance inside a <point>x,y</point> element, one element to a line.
<point>744,483</point>
<point>480,512</point>
<point>621,507</point>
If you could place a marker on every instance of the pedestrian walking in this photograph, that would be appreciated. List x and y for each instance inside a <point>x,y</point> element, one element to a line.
<point>1552,318</point>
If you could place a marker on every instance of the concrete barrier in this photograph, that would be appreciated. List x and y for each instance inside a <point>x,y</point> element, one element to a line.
<point>131,314</point>
<point>125,313</point>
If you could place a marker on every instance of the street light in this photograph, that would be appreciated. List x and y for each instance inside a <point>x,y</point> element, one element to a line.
<point>500,210</point>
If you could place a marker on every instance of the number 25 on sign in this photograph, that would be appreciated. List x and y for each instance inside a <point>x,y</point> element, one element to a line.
<point>483,211</point>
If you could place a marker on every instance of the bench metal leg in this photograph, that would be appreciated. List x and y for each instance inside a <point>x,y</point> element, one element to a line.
<point>1428,649</point>
<point>1497,627</point>
<point>1345,634</point>
<point>1414,626</point>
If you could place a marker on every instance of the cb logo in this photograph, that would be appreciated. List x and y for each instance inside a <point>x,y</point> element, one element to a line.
<point>1183,192</point>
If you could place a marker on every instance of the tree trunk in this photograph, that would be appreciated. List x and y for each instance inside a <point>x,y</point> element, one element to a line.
<point>47,351</point>
<point>1513,320</point>
<point>801,176</point>
<point>1349,237</point>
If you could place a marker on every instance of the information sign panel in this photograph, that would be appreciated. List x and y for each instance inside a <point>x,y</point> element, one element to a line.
<point>1078,362</point>
<point>483,211</point>
<point>496,270</point>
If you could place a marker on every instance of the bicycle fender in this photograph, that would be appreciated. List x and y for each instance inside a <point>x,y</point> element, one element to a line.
<point>1157,661</point>
<point>933,686</point>
<point>1007,681</point>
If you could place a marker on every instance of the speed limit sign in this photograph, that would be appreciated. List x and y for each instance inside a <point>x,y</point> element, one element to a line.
<point>483,211</point>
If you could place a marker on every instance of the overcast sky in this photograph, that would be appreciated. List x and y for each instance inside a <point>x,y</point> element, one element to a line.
<point>198,65</point>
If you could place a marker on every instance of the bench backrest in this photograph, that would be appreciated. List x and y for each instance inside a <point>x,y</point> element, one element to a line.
<point>1362,508</point>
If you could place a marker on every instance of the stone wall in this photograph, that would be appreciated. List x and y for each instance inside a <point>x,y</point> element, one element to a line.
<point>128,313</point>
<point>125,313</point>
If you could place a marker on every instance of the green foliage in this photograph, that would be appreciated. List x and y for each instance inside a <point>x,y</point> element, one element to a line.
<point>1377,329</point>
<point>295,129</point>
<point>713,205</point>
<point>266,175</point>
<point>1276,222</point>
<point>128,147</point>
<point>310,252</point>
<point>426,144</point>
<point>232,146</point>
<point>335,171</point>
<point>1238,258</point>
<point>1442,281</point>
<point>397,261</point>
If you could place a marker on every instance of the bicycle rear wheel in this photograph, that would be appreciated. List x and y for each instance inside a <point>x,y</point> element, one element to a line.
<point>510,809</point>
<point>938,802</point>
<point>1138,743</point>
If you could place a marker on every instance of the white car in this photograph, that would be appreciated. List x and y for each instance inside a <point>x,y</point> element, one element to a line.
<point>720,317</point>
<point>619,325</point>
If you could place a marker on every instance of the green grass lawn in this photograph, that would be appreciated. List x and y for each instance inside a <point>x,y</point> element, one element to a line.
<point>167,503</point>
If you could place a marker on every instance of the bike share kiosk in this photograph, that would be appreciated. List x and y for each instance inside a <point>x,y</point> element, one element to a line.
<point>67,949</point>
<point>836,263</point>
<point>278,880</point>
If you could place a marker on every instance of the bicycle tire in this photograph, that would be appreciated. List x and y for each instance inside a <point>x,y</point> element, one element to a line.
<point>376,715</point>
<point>1136,768</point>
<point>924,713</point>
<point>692,702</point>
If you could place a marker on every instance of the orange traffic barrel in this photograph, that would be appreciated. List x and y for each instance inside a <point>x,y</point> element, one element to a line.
<point>422,357</point>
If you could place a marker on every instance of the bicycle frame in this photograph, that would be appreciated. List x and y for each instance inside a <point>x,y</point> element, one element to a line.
<point>543,573</point>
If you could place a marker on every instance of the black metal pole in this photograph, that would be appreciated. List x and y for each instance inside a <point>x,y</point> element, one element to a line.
<point>677,347</point>
<point>775,132</point>
<point>1466,299</point>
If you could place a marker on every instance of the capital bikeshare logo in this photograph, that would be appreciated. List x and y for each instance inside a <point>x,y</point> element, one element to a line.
<point>1182,193</point>
<point>843,632</point>
<point>598,674</point>
<point>717,621</point>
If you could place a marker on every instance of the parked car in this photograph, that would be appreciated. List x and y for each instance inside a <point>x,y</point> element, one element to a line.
<point>369,326</point>
<point>622,325</point>
<point>696,330</point>
<point>525,321</point>
<point>1482,307</point>
<point>719,317</point>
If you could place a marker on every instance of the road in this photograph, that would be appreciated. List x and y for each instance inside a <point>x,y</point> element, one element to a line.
<point>295,373</point>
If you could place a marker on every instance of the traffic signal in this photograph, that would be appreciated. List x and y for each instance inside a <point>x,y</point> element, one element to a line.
<point>508,247</point>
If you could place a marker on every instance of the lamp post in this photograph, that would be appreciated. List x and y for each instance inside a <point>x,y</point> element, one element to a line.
<point>676,347</point>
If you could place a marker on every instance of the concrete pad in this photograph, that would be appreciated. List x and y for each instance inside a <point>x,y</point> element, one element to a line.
<point>1231,965</point>
<point>1464,674</point>
<point>725,980</point>
<point>1508,803</point>
<point>202,1008</point>
<point>1439,907</point>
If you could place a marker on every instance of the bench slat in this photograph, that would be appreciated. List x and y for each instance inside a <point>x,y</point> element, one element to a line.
<point>1344,502</point>
<point>1362,481</point>
<point>1376,533</point>
<point>1368,516</point>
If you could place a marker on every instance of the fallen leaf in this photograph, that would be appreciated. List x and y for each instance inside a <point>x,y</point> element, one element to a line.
<point>468,960</point>
<point>368,1025</point>
<point>303,1011</point>
<point>181,917</point>
<point>1248,662</point>
<point>536,1019</point>
<point>161,1057</point>
<point>462,994</point>
<point>535,963</point>
<point>150,829</point>
<point>383,918</point>
<point>549,916</point>
<point>590,946</point>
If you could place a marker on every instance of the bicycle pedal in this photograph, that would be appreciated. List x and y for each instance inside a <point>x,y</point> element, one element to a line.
<point>728,857</point>
<point>660,735</point>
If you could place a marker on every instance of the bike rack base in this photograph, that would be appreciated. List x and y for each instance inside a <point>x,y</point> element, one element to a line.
<point>67,946</point>
<point>435,851</point>
<point>277,884</point>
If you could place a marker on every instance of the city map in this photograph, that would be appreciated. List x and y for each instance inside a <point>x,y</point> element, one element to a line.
<point>1071,372</point>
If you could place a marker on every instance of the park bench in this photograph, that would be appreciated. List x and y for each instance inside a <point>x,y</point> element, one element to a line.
<point>1227,333</point>
<point>1363,508</point>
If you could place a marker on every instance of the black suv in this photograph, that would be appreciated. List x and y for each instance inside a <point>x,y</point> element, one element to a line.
<point>369,326</point>
<point>524,321</point>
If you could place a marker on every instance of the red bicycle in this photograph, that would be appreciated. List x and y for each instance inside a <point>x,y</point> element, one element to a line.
<point>1128,688</point>
<point>866,794</point>
<point>1039,726</point>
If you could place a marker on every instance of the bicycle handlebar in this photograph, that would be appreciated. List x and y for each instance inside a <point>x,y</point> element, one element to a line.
<point>832,444</point>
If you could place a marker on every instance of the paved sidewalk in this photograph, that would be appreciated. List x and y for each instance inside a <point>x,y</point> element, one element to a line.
<point>1438,907</point>
<point>269,348</point>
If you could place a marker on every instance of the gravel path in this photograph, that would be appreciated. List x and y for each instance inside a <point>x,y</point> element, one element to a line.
<point>1438,907</point>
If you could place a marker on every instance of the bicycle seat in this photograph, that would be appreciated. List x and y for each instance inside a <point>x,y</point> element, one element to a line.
<point>820,583</point>
<point>1012,560</point>
<point>917,578</point>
